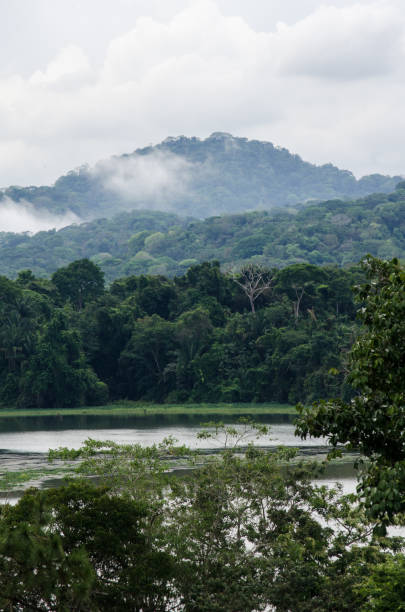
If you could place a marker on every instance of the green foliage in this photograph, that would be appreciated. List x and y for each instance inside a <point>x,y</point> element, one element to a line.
<point>129,570</point>
<point>56,373</point>
<point>78,282</point>
<point>128,469</point>
<point>384,589</point>
<point>17,479</point>
<point>242,531</point>
<point>79,548</point>
<point>144,361</point>
<point>331,232</point>
<point>35,571</point>
<point>191,338</point>
<point>373,422</point>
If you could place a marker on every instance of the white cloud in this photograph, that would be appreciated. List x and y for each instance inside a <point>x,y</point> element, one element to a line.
<point>199,32</point>
<point>70,67</point>
<point>324,86</point>
<point>354,42</point>
<point>22,217</point>
<point>151,180</point>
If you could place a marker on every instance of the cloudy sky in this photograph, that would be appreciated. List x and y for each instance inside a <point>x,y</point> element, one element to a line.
<point>81,80</point>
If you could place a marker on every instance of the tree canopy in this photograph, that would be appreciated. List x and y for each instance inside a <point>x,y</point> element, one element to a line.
<point>149,242</point>
<point>241,531</point>
<point>373,421</point>
<point>71,341</point>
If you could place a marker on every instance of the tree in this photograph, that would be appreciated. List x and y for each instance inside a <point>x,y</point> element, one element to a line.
<point>253,533</point>
<point>374,421</point>
<point>203,281</point>
<point>80,548</point>
<point>144,360</point>
<point>193,332</point>
<point>384,588</point>
<point>20,319</point>
<point>130,571</point>
<point>299,281</point>
<point>254,281</point>
<point>80,281</point>
<point>245,530</point>
<point>35,571</point>
<point>56,373</point>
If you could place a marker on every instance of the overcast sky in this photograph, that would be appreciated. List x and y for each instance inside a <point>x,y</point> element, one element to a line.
<point>81,80</point>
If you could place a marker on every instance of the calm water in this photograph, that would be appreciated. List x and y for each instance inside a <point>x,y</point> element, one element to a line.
<point>28,438</point>
<point>40,441</point>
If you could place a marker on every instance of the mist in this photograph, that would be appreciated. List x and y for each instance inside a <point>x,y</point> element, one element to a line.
<point>156,180</point>
<point>21,216</point>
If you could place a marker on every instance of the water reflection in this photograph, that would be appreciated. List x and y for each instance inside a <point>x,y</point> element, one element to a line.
<point>59,422</point>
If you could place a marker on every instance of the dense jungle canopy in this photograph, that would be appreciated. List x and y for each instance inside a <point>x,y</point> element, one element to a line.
<point>147,242</point>
<point>71,340</point>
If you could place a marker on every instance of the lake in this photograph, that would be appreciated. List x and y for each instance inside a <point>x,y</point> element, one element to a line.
<point>25,442</point>
<point>37,437</point>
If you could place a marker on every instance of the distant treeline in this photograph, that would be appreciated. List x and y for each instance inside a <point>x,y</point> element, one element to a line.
<point>332,232</point>
<point>70,341</point>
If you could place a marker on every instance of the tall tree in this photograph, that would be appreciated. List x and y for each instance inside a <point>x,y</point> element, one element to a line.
<point>79,282</point>
<point>254,281</point>
<point>374,421</point>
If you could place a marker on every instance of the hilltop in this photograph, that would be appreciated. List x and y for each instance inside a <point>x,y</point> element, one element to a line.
<point>218,175</point>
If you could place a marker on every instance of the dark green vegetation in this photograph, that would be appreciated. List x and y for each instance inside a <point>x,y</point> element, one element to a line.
<point>243,531</point>
<point>239,533</point>
<point>105,241</point>
<point>131,408</point>
<point>332,232</point>
<point>218,175</point>
<point>69,341</point>
<point>374,420</point>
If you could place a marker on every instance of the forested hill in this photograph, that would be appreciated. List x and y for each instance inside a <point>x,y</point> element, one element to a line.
<point>221,174</point>
<point>331,232</point>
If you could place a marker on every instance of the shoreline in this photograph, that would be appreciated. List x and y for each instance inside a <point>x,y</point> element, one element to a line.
<point>142,409</point>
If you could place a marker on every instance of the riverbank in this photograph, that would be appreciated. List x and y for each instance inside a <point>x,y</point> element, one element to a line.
<point>128,408</point>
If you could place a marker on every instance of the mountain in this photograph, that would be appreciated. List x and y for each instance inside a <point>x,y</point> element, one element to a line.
<point>147,242</point>
<point>219,175</point>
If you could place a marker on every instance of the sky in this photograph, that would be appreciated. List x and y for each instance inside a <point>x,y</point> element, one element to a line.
<point>81,80</point>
